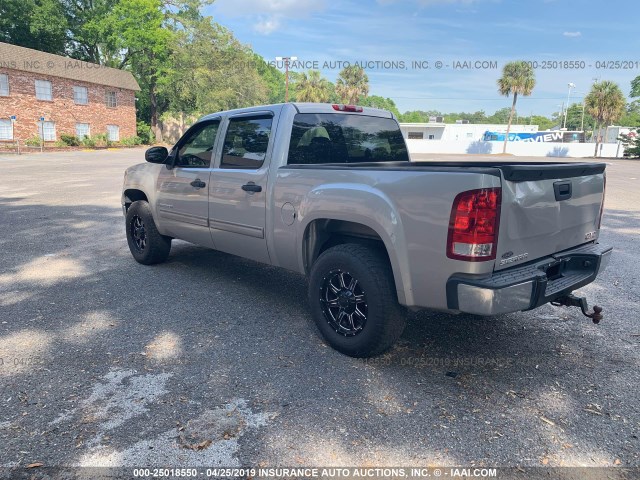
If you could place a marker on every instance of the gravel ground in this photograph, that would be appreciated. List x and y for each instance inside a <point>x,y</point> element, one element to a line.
<point>210,359</point>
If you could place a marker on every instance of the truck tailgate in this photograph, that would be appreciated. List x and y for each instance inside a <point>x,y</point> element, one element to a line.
<point>547,209</point>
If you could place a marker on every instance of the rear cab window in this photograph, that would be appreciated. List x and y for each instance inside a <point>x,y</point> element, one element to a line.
<point>321,138</point>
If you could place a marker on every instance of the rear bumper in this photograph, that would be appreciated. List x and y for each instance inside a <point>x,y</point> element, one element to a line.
<point>528,286</point>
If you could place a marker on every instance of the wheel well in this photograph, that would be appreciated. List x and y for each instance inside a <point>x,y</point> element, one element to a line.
<point>133,195</point>
<point>323,234</point>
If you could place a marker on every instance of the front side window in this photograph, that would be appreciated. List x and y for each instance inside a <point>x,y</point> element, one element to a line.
<point>111,99</point>
<point>48,131</point>
<point>4,85</point>
<point>113,133</point>
<point>82,130</point>
<point>6,129</point>
<point>318,138</point>
<point>196,148</point>
<point>43,90</point>
<point>80,95</point>
<point>246,142</point>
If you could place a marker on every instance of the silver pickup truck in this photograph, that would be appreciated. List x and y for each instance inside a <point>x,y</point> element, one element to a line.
<point>329,191</point>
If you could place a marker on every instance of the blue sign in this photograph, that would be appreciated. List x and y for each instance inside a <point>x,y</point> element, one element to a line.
<point>42,119</point>
<point>12,117</point>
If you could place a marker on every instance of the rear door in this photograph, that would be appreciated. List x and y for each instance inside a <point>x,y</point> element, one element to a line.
<point>547,209</point>
<point>238,187</point>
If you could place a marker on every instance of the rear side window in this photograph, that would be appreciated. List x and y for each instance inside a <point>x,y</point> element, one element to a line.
<point>319,138</point>
<point>246,142</point>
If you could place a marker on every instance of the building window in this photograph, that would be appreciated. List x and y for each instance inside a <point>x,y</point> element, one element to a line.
<point>6,129</point>
<point>82,130</point>
<point>111,99</point>
<point>49,131</point>
<point>113,133</point>
<point>43,90</point>
<point>416,135</point>
<point>4,85</point>
<point>80,95</point>
<point>432,136</point>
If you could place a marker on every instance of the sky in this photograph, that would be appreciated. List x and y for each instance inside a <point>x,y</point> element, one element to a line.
<point>460,46</point>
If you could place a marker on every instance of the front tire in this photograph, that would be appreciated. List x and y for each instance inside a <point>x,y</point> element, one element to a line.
<point>353,300</point>
<point>146,244</point>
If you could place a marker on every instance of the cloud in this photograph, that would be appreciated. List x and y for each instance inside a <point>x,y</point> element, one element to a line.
<point>268,24</point>
<point>572,34</point>
<point>269,15</point>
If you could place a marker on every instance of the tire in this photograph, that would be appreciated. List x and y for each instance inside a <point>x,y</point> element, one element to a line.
<point>371,320</point>
<point>146,244</point>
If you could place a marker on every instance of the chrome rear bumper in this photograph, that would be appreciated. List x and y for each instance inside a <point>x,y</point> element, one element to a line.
<point>529,286</point>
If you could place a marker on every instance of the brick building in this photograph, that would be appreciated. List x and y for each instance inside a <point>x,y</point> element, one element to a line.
<point>45,95</point>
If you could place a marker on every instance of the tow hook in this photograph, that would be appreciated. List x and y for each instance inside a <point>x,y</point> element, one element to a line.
<point>573,301</point>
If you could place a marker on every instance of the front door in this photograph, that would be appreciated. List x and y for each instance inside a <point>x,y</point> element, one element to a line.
<point>183,203</point>
<point>238,189</point>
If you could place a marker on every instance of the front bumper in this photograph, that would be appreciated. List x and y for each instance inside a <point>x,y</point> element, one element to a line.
<point>528,286</point>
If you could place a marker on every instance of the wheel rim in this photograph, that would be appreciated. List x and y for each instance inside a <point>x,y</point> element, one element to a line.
<point>138,233</point>
<point>344,303</point>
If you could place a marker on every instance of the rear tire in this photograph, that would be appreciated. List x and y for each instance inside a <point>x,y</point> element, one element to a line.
<point>353,300</point>
<point>146,244</point>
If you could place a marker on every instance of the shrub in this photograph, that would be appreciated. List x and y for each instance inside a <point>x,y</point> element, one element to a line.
<point>131,141</point>
<point>101,140</point>
<point>89,142</point>
<point>70,140</point>
<point>33,141</point>
<point>631,143</point>
<point>143,131</point>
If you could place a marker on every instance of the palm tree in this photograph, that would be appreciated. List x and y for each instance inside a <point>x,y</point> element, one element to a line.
<point>605,102</point>
<point>312,87</point>
<point>352,84</point>
<point>517,78</point>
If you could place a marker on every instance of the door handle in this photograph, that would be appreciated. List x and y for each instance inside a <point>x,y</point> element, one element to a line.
<point>562,190</point>
<point>251,187</point>
<point>197,183</point>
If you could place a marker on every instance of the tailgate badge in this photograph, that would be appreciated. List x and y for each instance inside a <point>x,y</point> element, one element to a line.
<point>512,259</point>
<point>591,236</point>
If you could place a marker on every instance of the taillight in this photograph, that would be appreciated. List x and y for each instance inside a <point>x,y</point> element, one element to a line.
<point>604,194</point>
<point>473,228</point>
<point>347,108</point>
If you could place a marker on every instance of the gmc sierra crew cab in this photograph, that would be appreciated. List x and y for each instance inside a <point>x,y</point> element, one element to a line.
<point>330,191</point>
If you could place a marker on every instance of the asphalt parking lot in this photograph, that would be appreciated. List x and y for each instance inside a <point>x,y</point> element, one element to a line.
<point>211,360</point>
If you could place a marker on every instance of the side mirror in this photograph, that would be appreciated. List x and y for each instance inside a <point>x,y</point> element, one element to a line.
<point>156,155</point>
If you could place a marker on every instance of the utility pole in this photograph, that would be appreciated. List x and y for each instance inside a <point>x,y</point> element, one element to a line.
<point>286,61</point>
<point>571,85</point>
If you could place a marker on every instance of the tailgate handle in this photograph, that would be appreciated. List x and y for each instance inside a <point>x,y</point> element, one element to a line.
<point>562,190</point>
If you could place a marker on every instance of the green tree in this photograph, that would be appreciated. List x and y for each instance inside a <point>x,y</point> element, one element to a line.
<point>635,87</point>
<point>212,71</point>
<point>605,103</point>
<point>37,24</point>
<point>575,117</point>
<point>543,123</point>
<point>312,87</point>
<point>518,78</point>
<point>500,116</point>
<point>272,77</point>
<point>352,84</point>
<point>377,101</point>
<point>631,117</point>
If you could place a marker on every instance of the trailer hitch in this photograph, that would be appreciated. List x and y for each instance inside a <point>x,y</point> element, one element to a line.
<point>572,301</point>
